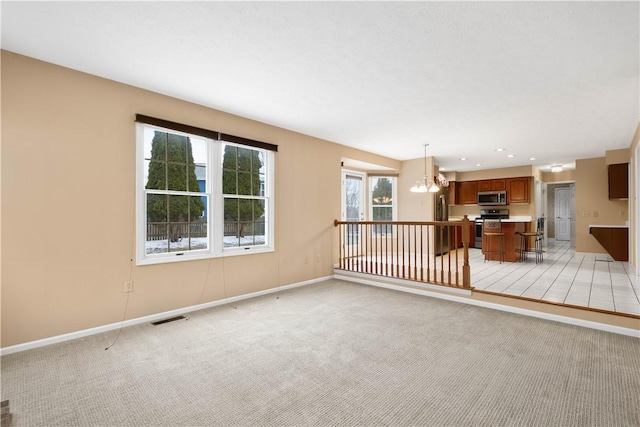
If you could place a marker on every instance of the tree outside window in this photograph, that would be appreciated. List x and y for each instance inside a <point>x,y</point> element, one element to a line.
<point>243,190</point>
<point>174,213</point>
<point>382,206</point>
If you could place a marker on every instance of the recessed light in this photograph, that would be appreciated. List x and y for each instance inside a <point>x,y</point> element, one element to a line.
<point>477,164</point>
<point>463,158</point>
<point>532,158</point>
<point>511,156</point>
<point>556,168</point>
<point>499,149</point>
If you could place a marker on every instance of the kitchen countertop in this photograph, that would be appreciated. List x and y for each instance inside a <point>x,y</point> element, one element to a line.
<point>609,226</point>
<point>514,218</point>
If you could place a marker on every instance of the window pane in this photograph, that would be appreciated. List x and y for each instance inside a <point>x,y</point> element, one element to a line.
<point>382,213</point>
<point>200,171</point>
<point>156,175</point>
<point>156,238</point>
<point>177,148</point>
<point>244,183</point>
<point>243,171</point>
<point>244,222</point>
<point>245,159</point>
<point>382,193</point>
<point>177,177</point>
<point>157,207</point>
<point>229,180</point>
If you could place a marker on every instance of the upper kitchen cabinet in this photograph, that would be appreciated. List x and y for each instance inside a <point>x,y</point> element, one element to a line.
<point>453,193</point>
<point>467,192</point>
<point>492,185</point>
<point>518,189</point>
<point>619,181</point>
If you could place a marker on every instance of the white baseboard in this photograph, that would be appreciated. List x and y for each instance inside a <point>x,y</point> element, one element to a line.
<point>525,312</point>
<point>148,319</point>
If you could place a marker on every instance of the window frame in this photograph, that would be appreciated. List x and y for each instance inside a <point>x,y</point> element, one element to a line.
<point>394,195</point>
<point>215,202</point>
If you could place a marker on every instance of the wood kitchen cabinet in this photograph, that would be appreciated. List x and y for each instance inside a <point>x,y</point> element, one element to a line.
<point>453,193</point>
<point>456,238</point>
<point>492,185</point>
<point>518,189</point>
<point>468,192</point>
<point>619,181</point>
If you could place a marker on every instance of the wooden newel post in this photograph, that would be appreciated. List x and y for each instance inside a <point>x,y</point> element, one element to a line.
<point>466,238</point>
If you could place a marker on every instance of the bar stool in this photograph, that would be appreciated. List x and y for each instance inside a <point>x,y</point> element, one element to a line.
<point>525,240</point>
<point>493,228</point>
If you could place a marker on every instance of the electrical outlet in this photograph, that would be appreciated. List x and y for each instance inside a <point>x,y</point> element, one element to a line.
<point>586,213</point>
<point>128,286</point>
<point>595,214</point>
<point>317,258</point>
<point>306,259</point>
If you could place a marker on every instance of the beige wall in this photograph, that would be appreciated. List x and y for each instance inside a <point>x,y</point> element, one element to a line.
<point>415,206</point>
<point>592,203</point>
<point>68,168</point>
<point>564,176</point>
<point>498,173</point>
<point>613,157</point>
<point>634,215</point>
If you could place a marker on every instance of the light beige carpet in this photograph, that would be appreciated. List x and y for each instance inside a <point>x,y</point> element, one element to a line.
<point>333,353</point>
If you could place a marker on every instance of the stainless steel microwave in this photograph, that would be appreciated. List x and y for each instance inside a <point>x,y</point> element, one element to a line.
<point>492,198</point>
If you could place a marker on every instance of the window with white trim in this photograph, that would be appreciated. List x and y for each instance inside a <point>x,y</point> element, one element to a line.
<point>200,197</point>
<point>382,201</point>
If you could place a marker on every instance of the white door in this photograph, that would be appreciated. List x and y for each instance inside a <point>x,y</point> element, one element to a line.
<point>562,213</point>
<point>353,203</point>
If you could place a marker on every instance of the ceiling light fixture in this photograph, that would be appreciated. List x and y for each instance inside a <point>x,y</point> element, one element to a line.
<point>556,168</point>
<point>425,185</point>
<point>499,149</point>
<point>511,156</point>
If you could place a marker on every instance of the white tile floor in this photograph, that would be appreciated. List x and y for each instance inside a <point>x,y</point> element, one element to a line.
<point>585,280</point>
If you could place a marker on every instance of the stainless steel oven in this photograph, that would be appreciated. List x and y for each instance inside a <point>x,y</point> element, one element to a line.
<point>478,234</point>
<point>487,214</point>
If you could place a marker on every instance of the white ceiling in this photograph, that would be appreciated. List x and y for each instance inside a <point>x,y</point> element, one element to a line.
<point>551,80</point>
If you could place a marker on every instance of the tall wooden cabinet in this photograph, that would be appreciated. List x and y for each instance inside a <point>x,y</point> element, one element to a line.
<point>619,181</point>
<point>518,189</point>
<point>468,192</point>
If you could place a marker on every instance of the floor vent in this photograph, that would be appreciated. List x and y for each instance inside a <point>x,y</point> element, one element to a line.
<point>171,319</point>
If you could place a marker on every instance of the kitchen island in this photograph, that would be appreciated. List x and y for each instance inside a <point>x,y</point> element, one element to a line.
<point>510,228</point>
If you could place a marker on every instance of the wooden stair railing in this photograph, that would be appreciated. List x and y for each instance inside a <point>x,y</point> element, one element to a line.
<point>421,251</point>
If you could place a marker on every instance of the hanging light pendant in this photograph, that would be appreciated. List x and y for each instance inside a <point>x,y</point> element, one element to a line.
<point>425,185</point>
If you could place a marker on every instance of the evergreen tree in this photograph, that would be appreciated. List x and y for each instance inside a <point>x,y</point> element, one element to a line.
<point>241,176</point>
<point>382,195</point>
<point>172,167</point>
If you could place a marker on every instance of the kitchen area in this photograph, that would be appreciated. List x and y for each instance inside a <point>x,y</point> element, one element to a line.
<point>508,199</point>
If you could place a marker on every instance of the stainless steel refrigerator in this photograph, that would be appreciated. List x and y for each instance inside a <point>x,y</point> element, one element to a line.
<point>441,213</point>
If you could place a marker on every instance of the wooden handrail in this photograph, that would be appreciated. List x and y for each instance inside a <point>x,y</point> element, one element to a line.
<point>410,250</point>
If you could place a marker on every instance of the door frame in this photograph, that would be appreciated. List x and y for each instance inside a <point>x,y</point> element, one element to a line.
<point>557,191</point>
<point>343,193</point>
